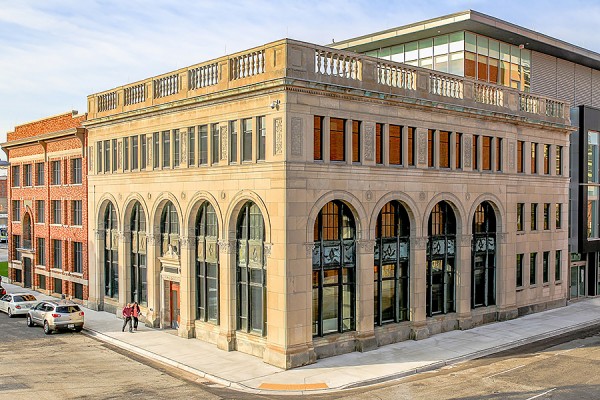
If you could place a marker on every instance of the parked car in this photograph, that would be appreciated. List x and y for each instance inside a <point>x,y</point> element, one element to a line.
<point>55,315</point>
<point>17,303</point>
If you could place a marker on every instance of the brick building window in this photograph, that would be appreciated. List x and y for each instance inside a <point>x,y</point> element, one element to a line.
<point>16,248</point>
<point>78,291</point>
<point>41,251</point>
<point>337,139</point>
<point>55,168</point>
<point>16,176</point>
<point>76,172</point>
<point>16,210</point>
<point>40,179</point>
<point>77,217</point>
<point>42,281</point>
<point>395,145</point>
<point>203,139</point>
<point>57,285</point>
<point>247,139</point>
<point>56,254</point>
<point>318,138</point>
<point>27,175</point>
<point>40,211</point>
<point>78,257</point>
<point>379,143</point>
<point>56,212</point>
<point>261,129</point>
<point>233,141</point>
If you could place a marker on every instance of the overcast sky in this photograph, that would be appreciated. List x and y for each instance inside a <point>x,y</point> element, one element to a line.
<point>53,53</point>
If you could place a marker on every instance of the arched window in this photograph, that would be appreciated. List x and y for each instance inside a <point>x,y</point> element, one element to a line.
<point>391,264</point>
<point>139,283</point>
<point>27,231</point>
<point>169,230</point>
<point>111,259</point>
<point>251,271</point>
<point>207,264</point>
<point>483,273</point>
<point>334,270</point>
<point>441,247</point>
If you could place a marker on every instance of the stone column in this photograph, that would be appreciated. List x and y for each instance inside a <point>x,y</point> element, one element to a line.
<point>418,287</point>
<point>154,281</point>
<point>96,271</point>
<point>124,268</point>
<point>365,318</point>
<point>187,285</point>
<point>226,340</point>
<point>463,280</point>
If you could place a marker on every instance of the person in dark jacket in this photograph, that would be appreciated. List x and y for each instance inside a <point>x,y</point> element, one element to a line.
<point>135,313</point>
<point>127,311</point>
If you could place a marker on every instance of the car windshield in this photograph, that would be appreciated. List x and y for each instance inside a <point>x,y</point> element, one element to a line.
<point>67,309</point>
<point>23,297</point>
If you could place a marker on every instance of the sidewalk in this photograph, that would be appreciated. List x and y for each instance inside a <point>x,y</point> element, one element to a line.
<point>250,374</point>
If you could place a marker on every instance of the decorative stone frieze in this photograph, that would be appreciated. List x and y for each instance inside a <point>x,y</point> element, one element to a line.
<point>297,141</point>
<point>369,139</point>
<point>227,246</point>
<point>278,140</point>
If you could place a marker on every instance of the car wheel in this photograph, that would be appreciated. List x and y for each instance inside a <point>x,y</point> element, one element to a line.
<point>29,321</point>
<point>10,314</point>
<point>47,329</point>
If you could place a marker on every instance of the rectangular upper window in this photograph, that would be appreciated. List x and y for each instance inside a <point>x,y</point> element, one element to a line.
<point>76,171</point>
<point>247,139</point>
<point>558,217</point>
<point>379,143</point>
<point>261,129</point>
<point>520,155</point>
<point>56,211</point>
<point>498,154</point>
<point>56,175</point>
<point>143,152</point>
<point>519,270</point>
<point>356,141</point>
<point>16,210</point>
<point>114,156</point>
<point>475,153</point>
<point>532,268</point>
<point>559,160</point>
<point>337,139</point>
<point>135,156</point>
<point>16,176</point>
<point>545,267</point>
<point>126,152</point>
<point>458,144</point>
<point>395,144</point>
<point>40,178</point>
<point>546,216</point>
<point>546,159</point>
<point>444,149</point>
<point>107,155</point>
<point>214,133</point>
<point>430,148</point>
<point>233,141</point>
<point>40,211</point>
<point>411,144</point>
<point>203,139</point>
<point>77,257</point>
<point>486,153</point>
<point>520,215</point>
<point>191,146</point>
<point>534,158</point>
<point>27,175</point>
<point>41,251</point>
<point>534,216</point>
<point>318,138</point>
<point>166,149</point>
<point>155,150</point>
<point>57,254</point>
<point>557,266</point>
<point>77,210</point>
<point>99,157</point>
<point>176,148</point>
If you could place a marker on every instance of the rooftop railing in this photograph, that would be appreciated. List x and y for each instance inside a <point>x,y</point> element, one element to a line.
<point>307,64</point>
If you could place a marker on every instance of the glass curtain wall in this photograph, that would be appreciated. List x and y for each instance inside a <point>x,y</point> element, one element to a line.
<point>466,54</point>
<point>593,180</point>
<point>334,270</point>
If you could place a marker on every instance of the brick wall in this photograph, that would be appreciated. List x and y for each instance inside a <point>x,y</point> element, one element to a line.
<point>62,150</point>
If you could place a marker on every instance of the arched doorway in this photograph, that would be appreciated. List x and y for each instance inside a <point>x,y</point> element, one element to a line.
<point>207,264</point>
<point>111,255</point>
<point>441,249</point>
<point>391,264</point>
<point>251,273</point>
<point>170,265</point>
<point>334,270</point>
<point>483,272</point>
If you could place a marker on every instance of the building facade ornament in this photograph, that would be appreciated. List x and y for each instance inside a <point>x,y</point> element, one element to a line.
<point>278,140</point>
<point>297,134</point>
<point>369,139</point>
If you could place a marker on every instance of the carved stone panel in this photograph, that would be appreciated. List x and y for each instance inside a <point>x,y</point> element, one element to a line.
<point>468,148</point>
<point>278,139</point>
<point>150,151</point>
<point>120,155</point>
<point>422,148</point>
<point>224,143</point>
<point>142,243</point>
<point>212,251</point>
<point>368,143</point>
<point>511,156</point>
<point>297,140</point>
<point>183,148</point>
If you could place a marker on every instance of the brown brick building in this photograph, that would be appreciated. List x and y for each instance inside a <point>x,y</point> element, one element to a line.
<point>47,188</point>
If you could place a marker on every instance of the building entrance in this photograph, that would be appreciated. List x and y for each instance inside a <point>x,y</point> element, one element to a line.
<point>578,274</point>
<point>175,304</point>
<point>27,273</point>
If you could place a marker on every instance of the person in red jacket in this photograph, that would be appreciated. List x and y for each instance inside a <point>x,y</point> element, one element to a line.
<point>135,313</point>
<point>127,311</point>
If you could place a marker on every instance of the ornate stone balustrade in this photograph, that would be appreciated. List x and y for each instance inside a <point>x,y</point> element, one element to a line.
<point>303,64</point>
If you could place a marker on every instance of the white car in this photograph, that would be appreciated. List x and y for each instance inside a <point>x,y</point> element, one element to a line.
<point>17,303</point>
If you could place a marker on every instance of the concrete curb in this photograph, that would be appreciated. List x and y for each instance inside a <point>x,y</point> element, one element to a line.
<point>369,382</point>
